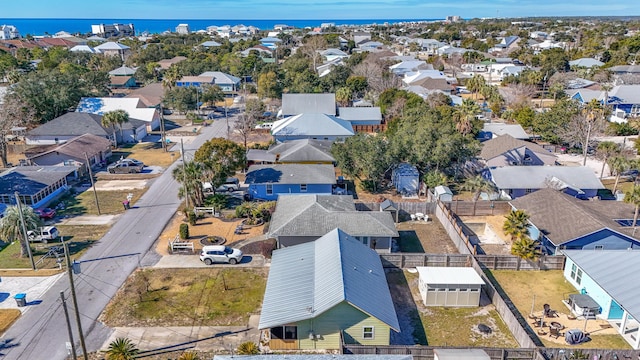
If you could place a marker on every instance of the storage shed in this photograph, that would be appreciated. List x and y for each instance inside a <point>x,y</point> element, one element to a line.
<point>443,193</point>
<point>449,286</point>
<point>460,354</point>
<point>406,179</point>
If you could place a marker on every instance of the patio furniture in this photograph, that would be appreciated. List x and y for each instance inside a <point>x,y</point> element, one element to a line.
<point>548,312</point>
<point>413,217</point>
<point>556,325</point>
<point>420,216</point>
<point>555,332</point>
<point>542,332</point>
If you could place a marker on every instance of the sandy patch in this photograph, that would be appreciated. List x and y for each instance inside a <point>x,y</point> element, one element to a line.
<point>113,185</point>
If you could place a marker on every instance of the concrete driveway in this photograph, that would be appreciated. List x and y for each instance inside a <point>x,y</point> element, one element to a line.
<point>193,261</point>
<point>34,287</point>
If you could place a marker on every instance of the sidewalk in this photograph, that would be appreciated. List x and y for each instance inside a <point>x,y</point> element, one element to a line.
<point>201,338</point>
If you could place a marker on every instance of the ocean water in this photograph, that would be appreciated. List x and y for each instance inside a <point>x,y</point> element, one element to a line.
<point>155,26</point>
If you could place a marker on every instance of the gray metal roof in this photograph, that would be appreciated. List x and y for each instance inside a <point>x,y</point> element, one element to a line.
<point>360,113</point>
<point>291,174</point>
<point>122,71</point>
<point>303,150</point>
<point>312,124</point>
<point>221,78</point>
<point>515,130</point>
<point>626,94</point>
<point>309,279</point>
<point>313,356</point>
<point>610,269</point>
<point>295,104</point>
<point>585,62</point>
<point>260,155</point>
<point>72,124</point>
<point>315,215</point>
<point>538,177</point>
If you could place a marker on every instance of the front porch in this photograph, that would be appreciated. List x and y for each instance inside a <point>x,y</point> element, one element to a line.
<point>629,329</point>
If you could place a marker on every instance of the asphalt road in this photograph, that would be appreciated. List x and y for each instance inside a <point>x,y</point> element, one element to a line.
<point>41,332</point>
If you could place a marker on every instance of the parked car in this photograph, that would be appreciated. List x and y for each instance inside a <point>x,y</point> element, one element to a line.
<point>45,213</point>
<point>44,234</point>
<point>132,161</point>
<point>220,254</point>
<point>266,125</point>
<point>124,167</point>
<point>231,185</point>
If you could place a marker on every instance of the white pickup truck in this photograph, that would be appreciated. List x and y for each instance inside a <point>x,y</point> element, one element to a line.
<point>44,234</point>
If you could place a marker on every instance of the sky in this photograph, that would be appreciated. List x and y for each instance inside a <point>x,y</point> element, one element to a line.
<point>312,9</point>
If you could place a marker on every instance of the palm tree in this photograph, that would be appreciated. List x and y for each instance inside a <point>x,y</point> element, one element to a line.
<point>122,349</point>
<point>593,112</point>
<point>170,77</point>
<point>115,117</point>
<point>475,84</point>
<point>11,225</point>
<point>477,185</point>
<point>526,248</point>
<point>189,355</point>
<point>633,197</point>
<point>516,225</point>
<point>605,150</point>
<point>343,96</point>
<point>465,114</point>
<point>190,176</point>
<point>618,165</point>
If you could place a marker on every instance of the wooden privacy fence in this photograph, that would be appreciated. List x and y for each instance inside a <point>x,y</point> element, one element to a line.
<point>452,225</point>
<point>478,208</point>
<point>370,129</point>
<point>405,208</point>
<point>426,352</point>
<point>493,262</point>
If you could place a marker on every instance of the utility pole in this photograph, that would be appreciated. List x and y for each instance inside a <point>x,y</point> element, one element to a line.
<point>184,175</point>
<point>73,297</point>
<point>66,316</point>
<point>93,185</point>
<point>24,231</point>
<point>226,118</point>
<point>163,136</point>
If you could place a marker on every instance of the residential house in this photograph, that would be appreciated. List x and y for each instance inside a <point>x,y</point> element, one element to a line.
<point>492,130</point>
<point>183,29</point>
<point>506,150</point>
<point>69,126</point>
<point>122,82</point>
<point>601,276</point>
<point>150,95</point>
<point>311,126</point>
<point>262,51</point>
<point>226,82</point>
<point>361,115</point>
<point>361,37</point>
<point>335,291</point>
<point>210,44</point>
<point>404,67</point>
<point>36,186</point>
<point>516,181</point>
<point>136,109</point>
<point>84,48</point>
<point>266,182</point>
<point>332,54</point>
<point>369,46</point>
<point>411,78</point>
<point>123,71</point>
<point>296,104</point>
<point>304,151</point>
<point>299,219</point>
<point>195,81</point>
<point>8,32</point>
<point>326,68</point>
<point>109,30</point>
<point>74,152</point>
<point>624,69</point>
<point>166,63</point>
<point>111,48</point>
<point>270,42</point>
<point>560,221</point>
<point>586,63</point>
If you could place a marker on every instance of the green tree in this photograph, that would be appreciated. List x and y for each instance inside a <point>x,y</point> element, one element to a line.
<point>465,115</point>
<point>475,84</point>
<point>516,225</point>
<point>116,117</point>
<point>606,150</point>
<point>221,158</point>
<point>633,197</point>
<point>343,96</point>
<point>190,176</point>
<point>478,185</point>
<point>268,86</point>
<point>11,225</point>
<point>211,94</point>
<point>618,164</point>
<point>435,178</point>
<point>363,157</point>
<point>526,248</point>
<point>122,349</point>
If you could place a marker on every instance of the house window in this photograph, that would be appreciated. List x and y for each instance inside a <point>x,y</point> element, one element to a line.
<point>303,187</point>
<point>528,191</point>
<point>579,276</point>
<point>367,332</point>
<point>635,110</point>
<point>573,271</point>
<point>599,247</point>
<point>269,189</point>
<point>285,332</point>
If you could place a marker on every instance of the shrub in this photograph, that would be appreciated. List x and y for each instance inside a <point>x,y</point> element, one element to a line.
<point>191,216</point>
<point>248,348</point>
<point>184,231</point>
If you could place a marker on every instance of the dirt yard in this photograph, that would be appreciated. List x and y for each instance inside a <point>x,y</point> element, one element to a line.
<point>209,226</point>
<point>493,240</point>
<point>427,237</point>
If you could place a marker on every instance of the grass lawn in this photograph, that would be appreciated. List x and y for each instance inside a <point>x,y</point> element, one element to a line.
<point>7,318</point>
<point>79,237</point>
<point>446,326</point>
<point>549,287</point>
<point>409,242</point>
<point>149,153</point>
<point>187,297</point>
<point>110,202</point>
<point>624,185</point>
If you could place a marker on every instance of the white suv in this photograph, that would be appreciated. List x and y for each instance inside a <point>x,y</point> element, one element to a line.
<point>221,254</point>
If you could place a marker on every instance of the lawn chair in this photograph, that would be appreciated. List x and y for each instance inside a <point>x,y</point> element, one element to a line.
<point>548,312</point>
<point>555,332</point>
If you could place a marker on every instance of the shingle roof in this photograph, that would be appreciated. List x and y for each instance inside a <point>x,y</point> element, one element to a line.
<point>315,215</point>
<point>309,279</point>
<point>538,177</point>
<point>610,269</point>
<point>551,211</point>
<point>84,144</point>
<point>151,95</point>
<point>28,180</point>
<point>72,124</point>
<point>291,174</point>
<point>503,143</point>
<point>122,71</point>
<point>312,124</point>
<point>295,104</point>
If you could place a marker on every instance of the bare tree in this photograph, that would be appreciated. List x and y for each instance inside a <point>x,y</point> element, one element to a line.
<point>312,49</point>
<point>378,77</point>
<point>12,114</point>
<point>515,94</point>
<point>247,121</point>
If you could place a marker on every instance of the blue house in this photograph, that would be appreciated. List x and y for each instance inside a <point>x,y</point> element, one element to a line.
<point>562,222</point>
<point>36,186</point>
<point>270,42</point>
<point>622,98</point>
<point>604,277</point>
<point>266,182</point>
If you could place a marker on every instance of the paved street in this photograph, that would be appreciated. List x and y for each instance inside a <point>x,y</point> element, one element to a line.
<point>41,332</point>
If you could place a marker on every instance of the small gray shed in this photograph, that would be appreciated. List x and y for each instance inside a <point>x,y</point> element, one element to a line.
<point>406,179</point>
<point>443,193</point>
<point>449,286</point>
<point>460,354</point>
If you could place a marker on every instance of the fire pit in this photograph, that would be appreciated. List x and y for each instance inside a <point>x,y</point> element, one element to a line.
<point>556,325</point>
<point>212,240</point>
<point>484,329</point>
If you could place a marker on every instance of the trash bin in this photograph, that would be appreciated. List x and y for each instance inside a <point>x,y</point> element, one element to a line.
<point>126,205</point>
<point>21,299</point>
